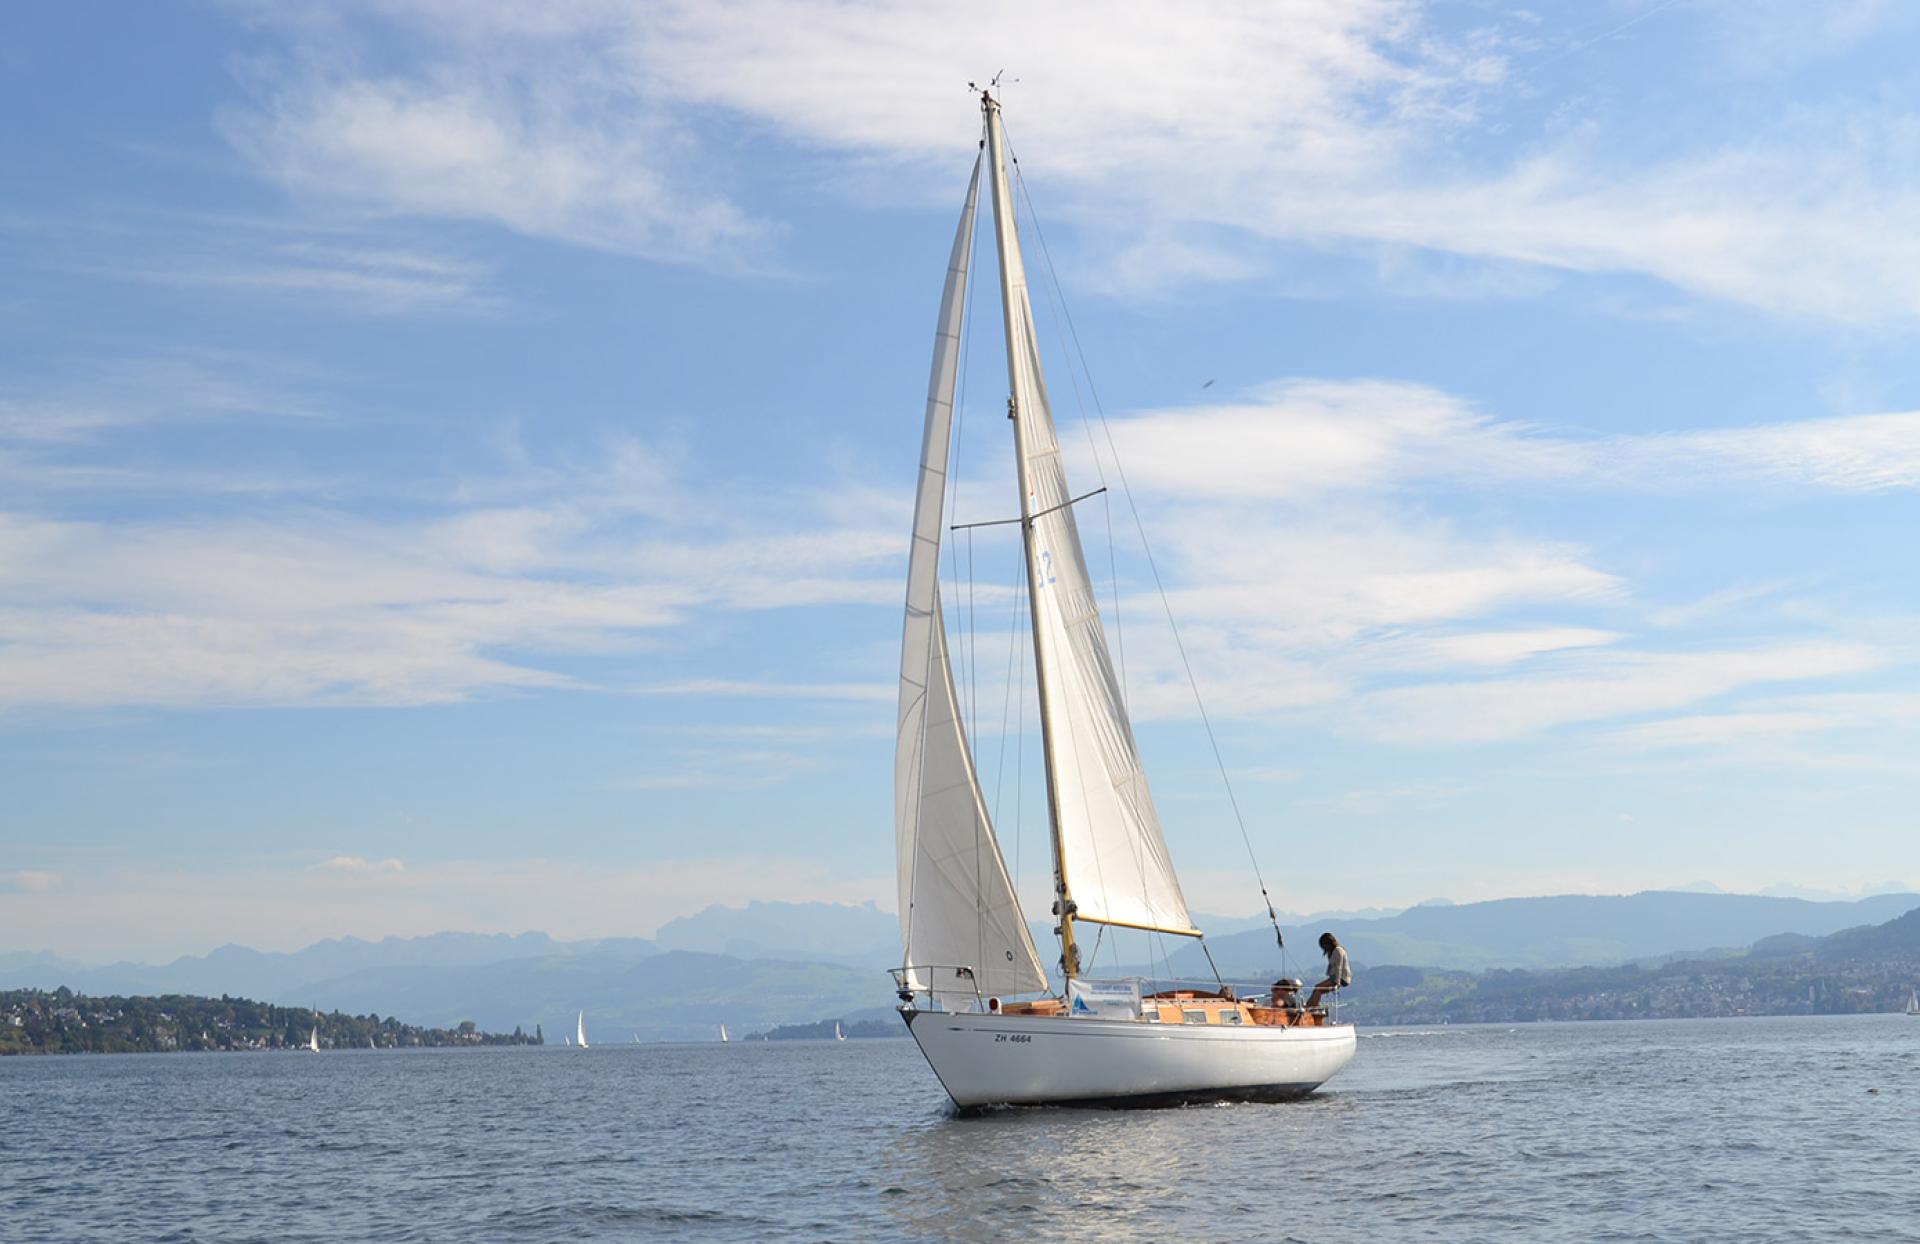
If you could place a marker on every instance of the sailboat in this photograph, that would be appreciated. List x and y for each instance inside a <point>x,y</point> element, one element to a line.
<point>580,1031</point>
<point>837,1034</point>
<point>965,944</point>
<point>313,1039</point>
<point>1913,1001</point>
<point>723,1033</point>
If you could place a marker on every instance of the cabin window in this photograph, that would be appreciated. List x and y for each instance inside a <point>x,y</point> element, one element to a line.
<point>1229,1017</point>
<point>1194,1017</point>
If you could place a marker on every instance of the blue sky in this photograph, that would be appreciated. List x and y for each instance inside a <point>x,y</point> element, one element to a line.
<point>455,458</point>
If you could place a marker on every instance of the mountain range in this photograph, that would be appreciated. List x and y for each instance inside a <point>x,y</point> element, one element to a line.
<point>765,964</point>
<point>1866,970</point>
<point>1567,930</point>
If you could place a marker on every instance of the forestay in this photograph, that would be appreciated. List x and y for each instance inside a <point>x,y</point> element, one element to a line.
<point>957,906</point>
<point>1112,852</point>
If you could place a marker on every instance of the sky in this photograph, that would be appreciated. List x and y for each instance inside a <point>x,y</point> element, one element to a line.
<point>456,458</point>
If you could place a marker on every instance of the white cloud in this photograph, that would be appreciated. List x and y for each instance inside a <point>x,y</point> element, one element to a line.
<point>1769,38</point>
<point>310,606</point>
<point>379,281</point>
<point>1855,453</point>
<point>772,690</point>
<point>1205,133</point>
<point>1299,585</point>
<point>1770,723</point>
<point>177,387</point>
<point>1301,437</point>
<point>37,881</point>
<point>354,266</point>
<point>1297,439</point>
<point>1593,687</point>
<point>525,133</point>
<point>716,768</point>
<point>1377,800</point>
<point>360,864</point>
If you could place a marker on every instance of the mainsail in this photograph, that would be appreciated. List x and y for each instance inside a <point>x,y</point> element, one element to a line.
<point>1112,856</point>
<point>957,906</point>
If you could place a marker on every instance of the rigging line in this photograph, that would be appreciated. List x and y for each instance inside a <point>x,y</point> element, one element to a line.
<point>1146,547</point>
<point>1212,964</point>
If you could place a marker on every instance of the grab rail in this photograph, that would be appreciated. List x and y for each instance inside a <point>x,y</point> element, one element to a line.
<point>906,991</point>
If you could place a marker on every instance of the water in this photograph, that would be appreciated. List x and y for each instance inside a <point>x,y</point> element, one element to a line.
<point>1705,1129</point>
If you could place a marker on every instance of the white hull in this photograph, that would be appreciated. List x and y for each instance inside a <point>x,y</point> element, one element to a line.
<point>985,1060</point>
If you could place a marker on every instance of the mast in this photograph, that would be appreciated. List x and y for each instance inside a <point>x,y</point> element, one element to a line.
<point>1008,243</point>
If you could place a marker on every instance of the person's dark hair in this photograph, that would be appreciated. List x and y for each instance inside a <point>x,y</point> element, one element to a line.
<point>1328,941</point>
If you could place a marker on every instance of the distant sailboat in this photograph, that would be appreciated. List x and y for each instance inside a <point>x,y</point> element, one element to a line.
<point>369,1042</point>
<point>313,1039</point>
<point>580,1030</point>
<point>837,1034</point>
<point>1913,1001</point>
<point>723,1033</point>
<point>566,1040</point>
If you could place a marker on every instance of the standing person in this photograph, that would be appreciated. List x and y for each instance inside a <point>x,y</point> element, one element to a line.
<point>1339,974</point>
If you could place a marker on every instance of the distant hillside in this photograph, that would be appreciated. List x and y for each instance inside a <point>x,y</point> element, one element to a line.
<point>1855,971</point>
<point>851,1029</point>
<point>35,1021</point>
<point>676,996</point>
<point>834,932</point>
<point>1561,931</point>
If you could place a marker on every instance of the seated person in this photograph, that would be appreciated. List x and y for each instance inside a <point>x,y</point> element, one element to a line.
<point>1339,974</point>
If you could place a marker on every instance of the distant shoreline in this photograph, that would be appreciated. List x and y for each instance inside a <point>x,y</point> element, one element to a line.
<point>59,1021</point>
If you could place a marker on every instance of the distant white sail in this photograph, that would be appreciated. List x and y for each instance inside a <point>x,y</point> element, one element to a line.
<point>313,1039</point>
<point>723,1032</point>
<point>837,1034</point>
<point>1115,859</point>
<point>1913,1001</point>
<point>580,1030</point>
<point>957,906</point>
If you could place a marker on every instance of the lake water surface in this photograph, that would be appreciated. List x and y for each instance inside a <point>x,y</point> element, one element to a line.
<point>1755,1129</point>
